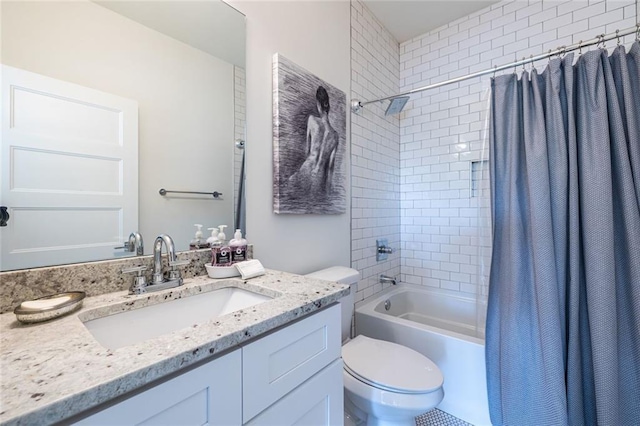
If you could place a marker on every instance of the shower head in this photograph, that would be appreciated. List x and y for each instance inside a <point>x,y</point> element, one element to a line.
<point>396,105</point>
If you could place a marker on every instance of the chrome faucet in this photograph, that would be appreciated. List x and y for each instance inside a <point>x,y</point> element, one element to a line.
<point>173,276</point>
<point>385,279</point>
<point>135,243</point>
<point>158,281</point>
<point>158,276</point>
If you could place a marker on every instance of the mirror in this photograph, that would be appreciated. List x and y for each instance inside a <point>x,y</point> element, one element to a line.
<point>83,82</point>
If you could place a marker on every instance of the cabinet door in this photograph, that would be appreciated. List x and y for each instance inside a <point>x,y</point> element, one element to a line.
<point>208,395</point>
<point>318,401</point>
<point>276,364</point>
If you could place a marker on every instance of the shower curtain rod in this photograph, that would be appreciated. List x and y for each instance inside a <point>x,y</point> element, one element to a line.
<point>357,105</point>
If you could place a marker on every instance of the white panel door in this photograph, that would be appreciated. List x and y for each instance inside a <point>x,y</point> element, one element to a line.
<point>69,168</point>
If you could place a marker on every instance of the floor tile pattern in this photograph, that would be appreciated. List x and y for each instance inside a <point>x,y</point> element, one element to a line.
<point>436,417</point>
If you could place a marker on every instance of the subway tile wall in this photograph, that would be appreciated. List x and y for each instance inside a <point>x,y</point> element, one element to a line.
<point>442,130</point>
<point>239,116</point>
<point>375,151</point>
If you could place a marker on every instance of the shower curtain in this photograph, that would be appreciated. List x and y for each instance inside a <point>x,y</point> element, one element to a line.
<point>563,321</point>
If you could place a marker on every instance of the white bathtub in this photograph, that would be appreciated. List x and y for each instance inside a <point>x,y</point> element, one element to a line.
<point>441,327</point>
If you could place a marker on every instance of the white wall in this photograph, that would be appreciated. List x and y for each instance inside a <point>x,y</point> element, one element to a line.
<point>185,101</point>
<point>375,152</point>
<point>441,130</point>
<point>316,36</point>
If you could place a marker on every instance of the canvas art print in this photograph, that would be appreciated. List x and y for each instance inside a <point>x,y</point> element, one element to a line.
<point>309,142</point>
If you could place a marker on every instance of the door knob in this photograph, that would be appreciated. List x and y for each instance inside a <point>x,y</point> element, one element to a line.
<point>4,216</point>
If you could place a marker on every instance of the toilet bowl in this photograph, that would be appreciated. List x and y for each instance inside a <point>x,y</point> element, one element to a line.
<point>391,383</point>
<point>385,384</point>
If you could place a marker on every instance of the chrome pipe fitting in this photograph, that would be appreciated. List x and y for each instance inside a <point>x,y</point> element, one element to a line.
<point>386,279</point>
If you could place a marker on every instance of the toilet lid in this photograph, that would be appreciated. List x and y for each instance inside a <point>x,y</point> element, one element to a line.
<point>390,366</point>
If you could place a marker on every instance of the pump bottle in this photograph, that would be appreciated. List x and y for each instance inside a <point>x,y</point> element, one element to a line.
<point>198,242</point>
<point>214,237</point>
<point>238,246</point>
<point>222,253</point>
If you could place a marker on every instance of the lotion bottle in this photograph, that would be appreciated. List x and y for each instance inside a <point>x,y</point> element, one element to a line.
<point>221,235</point>
<point>223,253</point>
<point>214,236</point>
<point>214,243</point>
<point>198,242</point>
<point>238,246</point>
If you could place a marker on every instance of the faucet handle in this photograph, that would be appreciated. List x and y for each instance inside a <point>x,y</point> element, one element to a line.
<point>382,249</point>
<point>127,246</point>
<point>138,269</point>
<point>174,273</point>
<point>139,281</point>
<point>176,263</point>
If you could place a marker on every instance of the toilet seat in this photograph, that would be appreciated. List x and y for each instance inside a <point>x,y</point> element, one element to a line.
<point>390,366</point>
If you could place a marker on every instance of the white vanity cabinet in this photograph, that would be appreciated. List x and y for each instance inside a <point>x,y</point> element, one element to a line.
<point>292,376</point>
<point>210,394</point>
<point>318,401</point>
<point>289,375</point>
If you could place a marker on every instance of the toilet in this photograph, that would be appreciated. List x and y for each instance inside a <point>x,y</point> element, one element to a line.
<point>385,383</point>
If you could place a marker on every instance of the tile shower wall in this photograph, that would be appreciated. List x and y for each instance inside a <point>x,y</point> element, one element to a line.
<point>375,153</point>
<point>239,117</point>
<point>442,130</point>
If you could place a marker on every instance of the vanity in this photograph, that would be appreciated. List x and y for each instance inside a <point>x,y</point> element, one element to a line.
<point>269,355</point>
<point>164,104</point>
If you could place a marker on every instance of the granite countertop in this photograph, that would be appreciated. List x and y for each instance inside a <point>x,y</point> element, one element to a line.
<point>54,370</point>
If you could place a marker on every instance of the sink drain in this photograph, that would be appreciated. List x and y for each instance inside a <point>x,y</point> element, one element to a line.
<point>387,304</point>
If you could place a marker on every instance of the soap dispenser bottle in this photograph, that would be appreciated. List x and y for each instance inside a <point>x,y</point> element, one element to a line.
<point>221,235</point>
<point>198,242</point>
<point>238,246</point>
<point>222,253</point>
<point>214,237</point>
<point>214,243</point>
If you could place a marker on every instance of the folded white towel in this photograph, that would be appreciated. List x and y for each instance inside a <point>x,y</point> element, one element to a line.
<point>250,268</point>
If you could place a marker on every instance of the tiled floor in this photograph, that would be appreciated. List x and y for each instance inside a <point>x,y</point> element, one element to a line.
<point>436,417</point>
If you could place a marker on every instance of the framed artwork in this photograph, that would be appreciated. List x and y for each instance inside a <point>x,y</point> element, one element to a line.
<point>309,142</point>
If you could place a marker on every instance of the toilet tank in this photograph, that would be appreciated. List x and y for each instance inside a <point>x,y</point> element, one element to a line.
<point>343,275</point>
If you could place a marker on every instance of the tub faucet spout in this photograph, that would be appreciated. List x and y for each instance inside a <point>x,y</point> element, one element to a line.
<point>385,279</point>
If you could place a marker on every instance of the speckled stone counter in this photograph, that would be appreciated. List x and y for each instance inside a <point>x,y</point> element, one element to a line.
<point>54,370</point>
<point>93,278</point>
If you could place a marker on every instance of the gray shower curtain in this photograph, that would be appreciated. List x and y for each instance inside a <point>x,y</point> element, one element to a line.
<point>563,320</point>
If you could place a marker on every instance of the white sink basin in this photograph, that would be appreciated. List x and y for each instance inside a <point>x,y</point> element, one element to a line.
<point>130,327</point>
